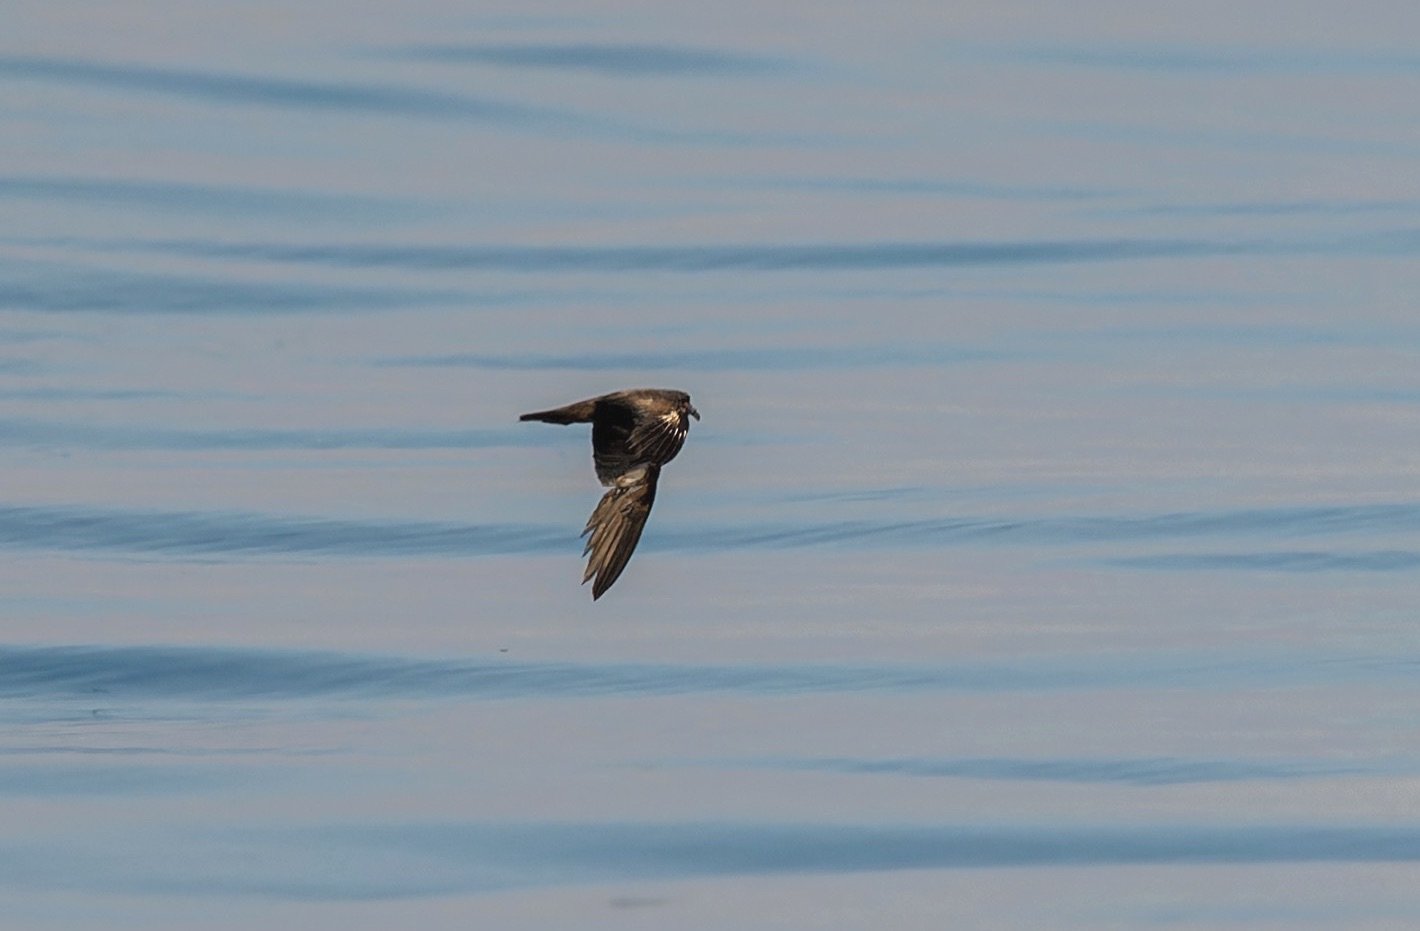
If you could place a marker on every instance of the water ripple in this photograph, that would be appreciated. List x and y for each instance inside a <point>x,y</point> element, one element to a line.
<point>225,200</point>
<point>199,534</point>
<point>1157,771</point>
<point>910,187</point>
<point>766,257</point>
<point>251,90</point>
<point>412,859</point>
<point>619,851</point>
<point>47,287</point>
<point>120,673</point>
<point>33,779</point>
<point>1223,59</point>
<point>20,432</point>
<point>206,534</point>
<point>624,60</point>
<point>216,674</point>
<point>1371,561</point>
<point>1274,522</point>
<point>707,258</point>
<point>713,360</point>
<point>1286,208</point>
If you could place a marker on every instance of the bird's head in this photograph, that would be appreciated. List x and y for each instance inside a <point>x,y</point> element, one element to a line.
<point>687,408</point>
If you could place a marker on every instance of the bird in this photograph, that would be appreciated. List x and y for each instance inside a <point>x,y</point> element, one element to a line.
<point>634,433</point>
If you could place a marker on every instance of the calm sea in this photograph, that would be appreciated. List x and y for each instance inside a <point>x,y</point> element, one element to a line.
<point>1047,555</point>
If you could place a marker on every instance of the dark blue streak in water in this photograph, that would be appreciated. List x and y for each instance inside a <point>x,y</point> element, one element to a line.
<point>1267,522</point>
<point>207,534</point>
<point>213,674</point>
<point>238,89</point>
<point>47,434</point>
<point>1224,60</point>
<point>190,534</point>
<point>665,850</point>
<point>615,60</point>
<point>353,862</point>
<point>117,674</point>
<point>821,257</point>
<point>767,257</point>
<point>68,393</point>
<point>224,200</point>
<point>1271,208</point>
<point>41,780</point>
<point>44,287</point>
<point>1143,771</point>
<point>914,188</point>
<point>14,366</point>
<point>394,101</point>
<point>1372,561</point>
<point>715,360</point>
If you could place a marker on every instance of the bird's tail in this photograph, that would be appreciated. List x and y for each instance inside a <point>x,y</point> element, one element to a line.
<point>580,412</point>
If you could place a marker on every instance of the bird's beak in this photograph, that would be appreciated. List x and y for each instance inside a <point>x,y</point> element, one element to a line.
<point>690,409</point>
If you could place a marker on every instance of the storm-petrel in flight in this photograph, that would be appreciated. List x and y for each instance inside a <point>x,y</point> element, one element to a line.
<point>634,433</point>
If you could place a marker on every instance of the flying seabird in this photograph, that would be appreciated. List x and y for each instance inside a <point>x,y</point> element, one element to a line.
<point>634,433</point>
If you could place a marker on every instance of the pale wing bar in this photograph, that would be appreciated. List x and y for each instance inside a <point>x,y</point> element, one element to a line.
<point>658,439</point>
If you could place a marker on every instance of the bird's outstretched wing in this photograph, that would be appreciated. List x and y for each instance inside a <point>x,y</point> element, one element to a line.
<point>611,442</point>
<point>615,526</point>
<point>576,412</point>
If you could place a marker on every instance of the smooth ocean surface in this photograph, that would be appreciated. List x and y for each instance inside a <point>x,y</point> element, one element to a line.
<point>1047,556</point>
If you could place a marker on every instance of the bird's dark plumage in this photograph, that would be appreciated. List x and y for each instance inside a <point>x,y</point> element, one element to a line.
<point>634,433</point>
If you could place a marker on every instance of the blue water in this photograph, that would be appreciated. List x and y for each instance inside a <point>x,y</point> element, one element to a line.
<point>1046,556</point>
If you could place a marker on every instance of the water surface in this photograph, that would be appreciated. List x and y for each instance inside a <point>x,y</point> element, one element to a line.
<point>1045,557</point>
